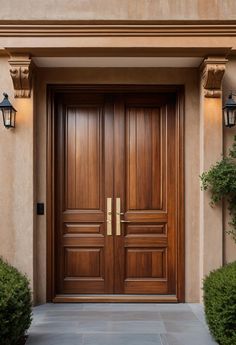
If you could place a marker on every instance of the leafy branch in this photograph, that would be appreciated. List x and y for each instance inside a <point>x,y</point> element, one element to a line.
<point>220,180</point>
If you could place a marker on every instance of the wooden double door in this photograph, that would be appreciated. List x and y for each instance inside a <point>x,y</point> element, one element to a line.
<point>117,185</point>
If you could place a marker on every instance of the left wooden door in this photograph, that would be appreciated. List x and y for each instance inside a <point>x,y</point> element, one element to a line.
<point>83,188</point>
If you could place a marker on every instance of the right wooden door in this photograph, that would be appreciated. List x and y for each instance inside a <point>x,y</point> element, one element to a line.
<point>145,193</point>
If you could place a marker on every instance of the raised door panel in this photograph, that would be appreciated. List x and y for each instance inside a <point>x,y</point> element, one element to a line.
<point>143,159</point>
<point>145,263</point>
<point>83,158</point>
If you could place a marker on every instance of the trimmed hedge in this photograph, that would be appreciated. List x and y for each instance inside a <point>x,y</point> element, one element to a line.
<point>15,305</point>
<point>220,304</point>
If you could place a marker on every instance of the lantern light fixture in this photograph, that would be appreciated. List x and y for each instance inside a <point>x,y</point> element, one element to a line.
<point>8,112</point>
<point>229,111</point>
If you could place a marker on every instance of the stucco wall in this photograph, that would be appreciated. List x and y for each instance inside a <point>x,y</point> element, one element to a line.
<point>117,9</point>
<point>229,83</point>
<point>22,237</point>
<point>17,181</point>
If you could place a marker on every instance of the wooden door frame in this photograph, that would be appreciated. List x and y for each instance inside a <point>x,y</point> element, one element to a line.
<point>52,90</point>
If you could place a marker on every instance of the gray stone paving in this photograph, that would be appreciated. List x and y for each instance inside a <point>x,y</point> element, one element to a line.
<point>119,324</point>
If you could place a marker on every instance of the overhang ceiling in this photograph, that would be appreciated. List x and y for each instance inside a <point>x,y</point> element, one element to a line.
<point>67,62</point>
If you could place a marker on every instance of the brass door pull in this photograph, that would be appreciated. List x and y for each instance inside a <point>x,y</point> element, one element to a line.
<point>118,220</point>
<point>118,230</point>
<point>109,216</point>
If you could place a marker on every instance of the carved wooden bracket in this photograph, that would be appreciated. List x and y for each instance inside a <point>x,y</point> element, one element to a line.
<point>21,73</point>
<point>212,72</point>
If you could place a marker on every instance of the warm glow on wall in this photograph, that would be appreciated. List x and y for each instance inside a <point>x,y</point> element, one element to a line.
<point>213,111</point>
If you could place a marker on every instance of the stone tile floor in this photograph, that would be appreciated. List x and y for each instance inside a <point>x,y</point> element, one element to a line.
<point>119,324</point>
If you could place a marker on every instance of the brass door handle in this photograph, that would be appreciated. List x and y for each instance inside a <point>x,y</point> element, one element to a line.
<point>109,216</point>
<point>118,220</point>
<point>118,230</point>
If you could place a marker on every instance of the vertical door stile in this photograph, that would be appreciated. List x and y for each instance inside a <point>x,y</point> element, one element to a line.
<point>119,189</point>
<point>108,166</point>
<point>59,196</point>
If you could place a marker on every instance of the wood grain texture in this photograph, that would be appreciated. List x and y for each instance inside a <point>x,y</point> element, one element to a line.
<point>143,155</point>
<point>82,249</point>
<point>127,146</point>
<point>145,263</point>
<point>142,258</point>
<point>82,158</point>
<point>83,262</point>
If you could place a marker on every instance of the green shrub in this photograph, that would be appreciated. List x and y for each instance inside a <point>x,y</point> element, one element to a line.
<point>15,305</point>
<point>220,180</point>
<point>220,304</point>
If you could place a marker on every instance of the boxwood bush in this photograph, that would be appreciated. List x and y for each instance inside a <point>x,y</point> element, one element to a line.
<point>220,304</point>
<point>15,305</point>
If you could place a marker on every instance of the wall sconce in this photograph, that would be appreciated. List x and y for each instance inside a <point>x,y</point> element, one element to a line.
<point>229,111</point>
<point>8,112</point>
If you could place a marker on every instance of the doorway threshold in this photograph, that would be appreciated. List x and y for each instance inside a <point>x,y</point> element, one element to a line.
<point>74,298</point>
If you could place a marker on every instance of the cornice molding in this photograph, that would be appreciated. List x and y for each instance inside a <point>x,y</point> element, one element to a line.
<point>212,72</point>
<point>123,28</point>
<point>21,74</point>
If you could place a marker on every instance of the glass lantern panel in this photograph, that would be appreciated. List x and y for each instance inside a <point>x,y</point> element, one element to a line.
<point>231,117</point>
<point>226,117</point>
<point>13,118</point>
<point>7,117</point>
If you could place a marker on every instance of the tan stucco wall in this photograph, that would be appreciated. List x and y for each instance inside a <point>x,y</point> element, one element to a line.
<point>229,83</point>
<point>211,146</point>
<point>23,151</point>
<point>118,10</point>
<point>23,243</point>
<point>17,181</point>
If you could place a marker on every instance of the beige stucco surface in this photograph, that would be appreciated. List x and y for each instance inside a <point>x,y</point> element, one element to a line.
<point>23,150</point>
<point>229,83</point>
<point>211,146</point>
<point>17,172</point>
<point>122,10</point>
<point>17,181</point>
<point>24,244</point>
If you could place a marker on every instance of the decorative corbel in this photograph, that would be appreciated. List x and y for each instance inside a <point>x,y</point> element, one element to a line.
<point>21,73</point>
<point>212,72</point>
